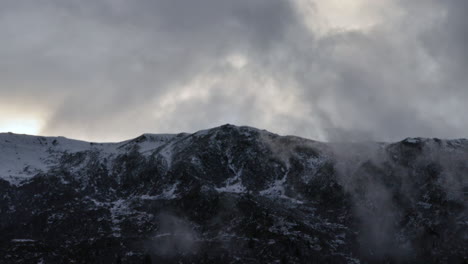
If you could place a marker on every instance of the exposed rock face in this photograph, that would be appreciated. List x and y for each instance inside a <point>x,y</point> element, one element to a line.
<point>232,195</point>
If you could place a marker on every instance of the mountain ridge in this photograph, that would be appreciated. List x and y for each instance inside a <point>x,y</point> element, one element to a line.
<point>228,193</point>
<point>216,128</point>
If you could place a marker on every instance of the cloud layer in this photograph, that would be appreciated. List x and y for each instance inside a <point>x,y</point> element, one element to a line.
<point>109,70</point>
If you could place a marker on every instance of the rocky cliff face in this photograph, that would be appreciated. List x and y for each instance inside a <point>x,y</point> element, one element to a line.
<point>232,195</point>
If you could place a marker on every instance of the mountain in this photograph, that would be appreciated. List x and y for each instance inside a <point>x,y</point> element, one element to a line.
<point>232,195</point>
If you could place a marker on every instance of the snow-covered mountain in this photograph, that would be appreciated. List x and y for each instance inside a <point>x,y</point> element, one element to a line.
<point>235,195</point>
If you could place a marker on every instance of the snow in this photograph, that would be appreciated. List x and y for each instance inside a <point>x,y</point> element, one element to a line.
<point>234,184</point>
<point>234,188</point>
<point>23,156</point>
<point>96,203</point>
<point>118,211</point>
<point>167,194</point>
<point>202,133</point>
<point>163,235</point>
<point>167,154</point>
<point>425,205</point>
<point>277,190</point>
<point>153,142</point>
<point>22,240</point>
<point>412,140</point>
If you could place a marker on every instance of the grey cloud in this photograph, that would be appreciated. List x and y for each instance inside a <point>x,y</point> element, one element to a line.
<point>103,59</point>
<point>110,70</point>
<point>384,83</point>
<point>446,42</point>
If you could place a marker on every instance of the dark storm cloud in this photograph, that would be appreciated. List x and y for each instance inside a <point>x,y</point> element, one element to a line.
<point>113,69</point>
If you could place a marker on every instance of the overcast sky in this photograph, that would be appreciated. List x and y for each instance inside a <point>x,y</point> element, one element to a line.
<point>109,70</point>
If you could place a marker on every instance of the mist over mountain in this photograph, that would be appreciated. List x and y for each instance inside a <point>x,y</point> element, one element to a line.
<point>232,195</point>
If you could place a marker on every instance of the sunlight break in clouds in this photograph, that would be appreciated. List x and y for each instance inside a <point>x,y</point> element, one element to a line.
<point>323,17</point>
<point>20,126</point>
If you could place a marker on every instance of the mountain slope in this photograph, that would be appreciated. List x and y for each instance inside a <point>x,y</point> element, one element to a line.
<point>232,194</point>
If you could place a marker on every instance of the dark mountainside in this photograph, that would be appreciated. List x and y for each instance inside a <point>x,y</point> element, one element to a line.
<point>232,195</point>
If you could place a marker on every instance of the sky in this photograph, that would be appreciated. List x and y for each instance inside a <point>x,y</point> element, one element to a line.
<point>110,70</point>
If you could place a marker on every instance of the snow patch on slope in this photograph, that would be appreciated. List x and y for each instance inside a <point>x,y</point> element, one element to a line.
<point>234,184</point>
<point>278,190</point>
<point>167,194</point>
<point>23,156</point>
